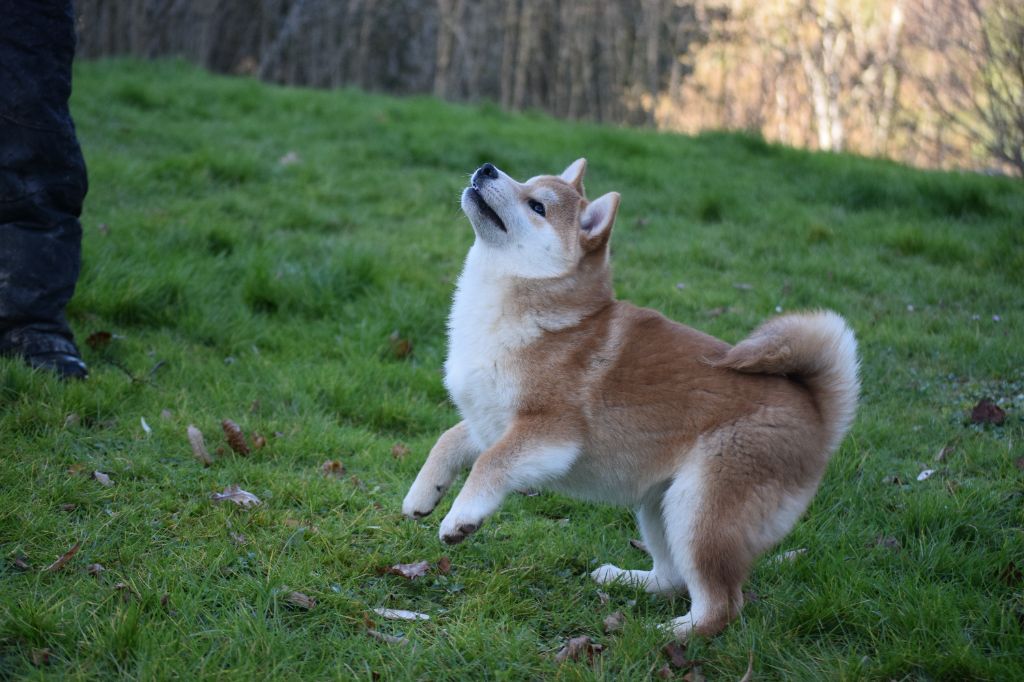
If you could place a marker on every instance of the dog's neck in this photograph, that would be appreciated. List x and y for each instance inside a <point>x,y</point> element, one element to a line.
<point>518,310</point>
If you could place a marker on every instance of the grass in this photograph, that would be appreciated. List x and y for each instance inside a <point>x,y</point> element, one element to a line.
<point>237,286</point>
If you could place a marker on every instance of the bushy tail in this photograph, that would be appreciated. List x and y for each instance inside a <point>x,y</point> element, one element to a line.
<point>820,349</point>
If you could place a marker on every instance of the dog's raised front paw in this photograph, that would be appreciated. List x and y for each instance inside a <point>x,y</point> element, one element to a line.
<point>607,574</point>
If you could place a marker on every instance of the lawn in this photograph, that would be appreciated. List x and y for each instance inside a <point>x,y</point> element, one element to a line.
<point>284,258</point>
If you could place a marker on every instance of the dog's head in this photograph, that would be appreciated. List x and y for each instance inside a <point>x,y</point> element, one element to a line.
<point>541,228</point>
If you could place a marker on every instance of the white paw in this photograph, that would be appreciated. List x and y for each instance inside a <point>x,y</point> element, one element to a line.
<point>454,530</point>
<point>607,574</point>
<point>421,499</point>
<point>681,627</point>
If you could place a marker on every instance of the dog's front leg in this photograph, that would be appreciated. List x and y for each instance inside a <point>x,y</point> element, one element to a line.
<point>453,451</point>
<point>520,459</point>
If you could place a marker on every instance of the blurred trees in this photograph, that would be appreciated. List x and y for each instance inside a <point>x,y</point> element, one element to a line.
<point>929,82</point>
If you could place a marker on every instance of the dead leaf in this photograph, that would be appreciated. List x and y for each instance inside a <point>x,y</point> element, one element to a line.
<point>637,544</point>
<point>126,591</point>
<point>71,420</point>
<point>238,538</point>
<point>195,439</point>
<point>236,439</point>
<point>235,494</point>
<point>987,412</point>
<point>102,479</point>
<point>95,569</point>
<point>695,675</point>
<point>888,542</point>
<point>41,657</point>
<point>400,347</point>
<point>400,614</point>
<point>717,312</point>
<point>410,571</point>
<point>603,597</point>
<point>613,623</point>
<point>99,340</point>
<point>749,675</point>
<point>676,655</point>
<point>664,673</point>
<point>258,441</point>
<point>68,507</point>
<point>76,468</point>
<point>791,555</point>
<point>399,450</point>
<point>925,475</point>
<point>63,559</point>
<point>444,565</point>
<point>145,426</point>
<point>387,639</point>
<point>578,647</point>
<point>945,452</point>
<point>166,414</point>
<point>300,600</point>
<point>20,562</point>
<point>333,468</point>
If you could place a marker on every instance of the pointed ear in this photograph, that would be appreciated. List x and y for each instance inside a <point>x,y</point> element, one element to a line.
<point>596,221</point>
<point>574,174</point>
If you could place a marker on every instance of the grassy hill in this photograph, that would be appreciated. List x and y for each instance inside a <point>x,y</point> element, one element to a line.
<point>253,249</point>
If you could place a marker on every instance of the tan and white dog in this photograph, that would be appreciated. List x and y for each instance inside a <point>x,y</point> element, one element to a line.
<point>718,448</point>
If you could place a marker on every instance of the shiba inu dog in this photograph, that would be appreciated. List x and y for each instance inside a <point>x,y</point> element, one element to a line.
<point>719,448</point>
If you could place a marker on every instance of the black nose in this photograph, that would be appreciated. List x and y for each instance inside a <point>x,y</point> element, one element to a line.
<point>488,170</point>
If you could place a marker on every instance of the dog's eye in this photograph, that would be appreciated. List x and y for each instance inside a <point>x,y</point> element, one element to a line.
<point>536,207</point>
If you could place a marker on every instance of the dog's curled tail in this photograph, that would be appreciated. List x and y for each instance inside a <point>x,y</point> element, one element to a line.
<point>819,349</point>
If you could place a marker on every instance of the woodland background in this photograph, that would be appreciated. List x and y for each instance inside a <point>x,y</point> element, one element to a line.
<point>932,83</point>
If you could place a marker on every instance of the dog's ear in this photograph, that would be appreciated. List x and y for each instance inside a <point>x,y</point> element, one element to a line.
<point>574,174</point>
<point>596,221</point>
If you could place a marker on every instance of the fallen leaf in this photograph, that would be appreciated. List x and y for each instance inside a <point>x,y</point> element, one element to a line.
<point>400,614</point>
<point>444,565</point>
<point>235,494</point>
<point>126,591</point>
<point>791,555</point>
<point>717,312</point>
<point>695,675</point>
<point>195,439</point>
<point>888,542</point>
<point>387,639</point>
<point>300,600</point>
<point>925,475</point>
<point>68,507</point>
<point>41,657</point>
<point>613,623</point>
<point>166,414</point>
<point>664,672</point>
<point>603,597</point>
<point>99,340</point>
<point>95,569</point>
<point>102,478</point>
<point>676,655</point>
<point>20,562</point>
<point>236,439</point>
<point>63,559</point>
<point>258,441</point>
<point>145,426</point>
<point>71,420</point>
<point>410,571</point>
<point>399,450</point>
<point>945,452</point>
<point>76,468</point>
<point>238,538</point>
<point>577,647</point>
<point>987,412</point>
<point>637,544</point>
<point>333,468</point>
<point>400,347</point>
<point>749,675</point>
<point>165,600</point>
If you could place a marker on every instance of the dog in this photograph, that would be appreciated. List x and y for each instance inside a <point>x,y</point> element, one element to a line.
<point>718,448</point>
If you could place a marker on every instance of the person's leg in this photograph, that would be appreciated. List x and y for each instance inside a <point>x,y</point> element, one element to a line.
<point>42,185</point>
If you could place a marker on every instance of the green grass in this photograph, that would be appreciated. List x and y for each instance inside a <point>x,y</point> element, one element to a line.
<point>239,287</point>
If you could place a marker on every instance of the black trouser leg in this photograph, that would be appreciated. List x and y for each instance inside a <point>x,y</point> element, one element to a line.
<point>42,177</point>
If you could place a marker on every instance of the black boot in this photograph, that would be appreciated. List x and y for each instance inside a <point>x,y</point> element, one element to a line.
<point>42,186</point>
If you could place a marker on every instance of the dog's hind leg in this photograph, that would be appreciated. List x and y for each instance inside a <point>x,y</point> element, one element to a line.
<point>663,578</point>
<point>708,546</point>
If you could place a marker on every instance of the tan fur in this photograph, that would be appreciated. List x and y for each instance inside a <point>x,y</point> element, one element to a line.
<point>719,448</point>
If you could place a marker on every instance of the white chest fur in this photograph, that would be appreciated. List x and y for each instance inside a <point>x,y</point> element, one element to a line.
<point>482,372</point>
